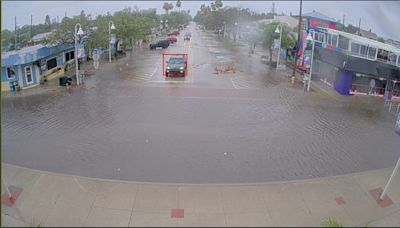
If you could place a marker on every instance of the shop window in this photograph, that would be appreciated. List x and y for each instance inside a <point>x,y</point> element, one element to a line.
<point>28,75</point>
<point>383,55</point>
<point>334,40</point>
<point>10,72</point>
<point>343,42</point>
<point>51,63</point>
<point>371,52</point>
<point>364,51</point>
<point>355,48</point>
<point>69,55</point>
<point>318,36</point>
<point>392,58</point>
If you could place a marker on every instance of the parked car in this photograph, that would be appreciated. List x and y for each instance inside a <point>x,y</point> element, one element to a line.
<point>160,43</point>
<point>174,33</point>
<point>172,39</point>
<point>176,66</point>
<point>187,36</point>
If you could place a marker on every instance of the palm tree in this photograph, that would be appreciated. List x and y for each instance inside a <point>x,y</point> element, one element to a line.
<point>167,7</point>
<point>213,8</point>
<point>178,4</point>
<point>218,4</point>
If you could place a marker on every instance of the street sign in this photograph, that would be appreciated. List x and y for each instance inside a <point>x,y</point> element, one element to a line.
<point>398,124</point>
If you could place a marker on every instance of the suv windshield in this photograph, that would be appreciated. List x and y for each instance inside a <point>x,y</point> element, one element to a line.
<point>177,60</point>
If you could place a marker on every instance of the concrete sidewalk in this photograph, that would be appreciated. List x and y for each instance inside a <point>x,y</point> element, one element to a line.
<point>51,199</point>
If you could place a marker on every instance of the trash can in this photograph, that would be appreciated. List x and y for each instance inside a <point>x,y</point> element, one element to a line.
<point>63,80</point>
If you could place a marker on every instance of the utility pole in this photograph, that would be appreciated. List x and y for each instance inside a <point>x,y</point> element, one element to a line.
<point>15,33</point>
<point>31,30</point>
<point>359,27</point>
<point>298,42</point>
<point>344,16</point>
<point>273,8</point>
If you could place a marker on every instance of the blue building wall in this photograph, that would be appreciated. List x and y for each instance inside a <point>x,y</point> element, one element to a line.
<point>29,57</point>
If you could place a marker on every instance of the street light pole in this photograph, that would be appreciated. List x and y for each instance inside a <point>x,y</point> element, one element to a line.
<point>110,26</point>
<point>224,28</point>
<point>280,43</point>
<point>390,179</point>
<point>311,64</point>
<point>298,42</point>
<point>80,32</point>
<point>236,24</point>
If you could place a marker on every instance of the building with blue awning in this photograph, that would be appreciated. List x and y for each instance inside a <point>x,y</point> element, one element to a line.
<point>29,66</point>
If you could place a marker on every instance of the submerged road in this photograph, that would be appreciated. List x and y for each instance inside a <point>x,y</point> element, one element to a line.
<point>129,122</point>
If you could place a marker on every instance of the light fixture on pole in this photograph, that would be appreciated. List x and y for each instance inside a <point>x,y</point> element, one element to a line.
<point>309,38</point>
<point>110,26</point>
<point>77,33</point>
<point>280,42</point>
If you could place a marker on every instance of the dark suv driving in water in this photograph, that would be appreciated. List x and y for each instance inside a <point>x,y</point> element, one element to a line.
<point>160,43</point>
<point>176,66</point>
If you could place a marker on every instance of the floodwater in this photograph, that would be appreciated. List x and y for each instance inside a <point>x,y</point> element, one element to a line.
<point>128,122</point>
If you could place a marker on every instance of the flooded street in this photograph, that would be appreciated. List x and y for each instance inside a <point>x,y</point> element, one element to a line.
<point>129,122</point>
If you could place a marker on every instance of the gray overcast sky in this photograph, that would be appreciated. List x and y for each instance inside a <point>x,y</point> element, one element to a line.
<point>381,16</point>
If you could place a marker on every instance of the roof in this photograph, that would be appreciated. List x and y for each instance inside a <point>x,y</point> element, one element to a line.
<point>262,21</point>
<point>40,36</point>
<point>318,15</point>
<point>290,21</point>
<point>366,41</point>
<point>368,34</point>
<point>32,53</point>
<point>25,50</point>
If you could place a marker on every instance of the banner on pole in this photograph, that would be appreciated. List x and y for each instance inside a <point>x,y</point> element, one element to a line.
<point>113,39</point>
<point>276,43</point>
<point>307,58</point>
<point>81,51</point>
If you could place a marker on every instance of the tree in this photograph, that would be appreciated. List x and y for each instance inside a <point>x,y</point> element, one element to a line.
<point>218,4</point>
<point>213,8</point>
<point>268,36</point>
<point>178,4</point>
<point>48,22</point>
<point>167,7</point>
<point>7,39</point>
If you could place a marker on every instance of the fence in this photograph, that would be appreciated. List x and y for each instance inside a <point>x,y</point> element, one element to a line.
<point>366,89</point>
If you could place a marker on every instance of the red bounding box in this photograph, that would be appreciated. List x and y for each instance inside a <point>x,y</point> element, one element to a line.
<point>174,72</point>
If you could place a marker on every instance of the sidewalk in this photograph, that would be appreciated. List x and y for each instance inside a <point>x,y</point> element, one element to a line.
<point>50,199</point>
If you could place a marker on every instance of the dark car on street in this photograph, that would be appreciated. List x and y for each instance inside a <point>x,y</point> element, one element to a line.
<point>160,43</point>
<point>176,66</point>
<point>187,36</point>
